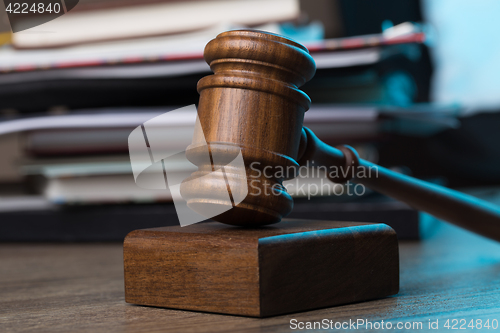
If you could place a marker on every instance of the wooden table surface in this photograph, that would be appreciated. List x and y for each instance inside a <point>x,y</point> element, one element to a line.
<point>79,288</point>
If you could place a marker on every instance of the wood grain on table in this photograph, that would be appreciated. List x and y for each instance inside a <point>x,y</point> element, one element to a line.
<point>79,288</point>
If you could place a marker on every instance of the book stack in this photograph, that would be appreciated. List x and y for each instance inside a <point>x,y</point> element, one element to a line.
<point>74,88</point>
<point>117,62</point>
<point>84,160</point>
<point>84,157</point>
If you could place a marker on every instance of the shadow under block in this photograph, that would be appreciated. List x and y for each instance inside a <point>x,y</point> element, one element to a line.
<point>292,266</point>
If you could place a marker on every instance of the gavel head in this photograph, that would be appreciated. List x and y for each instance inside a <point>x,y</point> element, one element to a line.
<point>250,105</point>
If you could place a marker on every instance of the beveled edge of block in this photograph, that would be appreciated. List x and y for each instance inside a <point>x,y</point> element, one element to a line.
<point>374,230</point>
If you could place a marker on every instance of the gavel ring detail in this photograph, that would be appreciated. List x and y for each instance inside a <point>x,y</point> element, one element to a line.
<point>252,105</point>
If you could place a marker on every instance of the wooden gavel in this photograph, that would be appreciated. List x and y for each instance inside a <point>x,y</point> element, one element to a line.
<point>252,105</point>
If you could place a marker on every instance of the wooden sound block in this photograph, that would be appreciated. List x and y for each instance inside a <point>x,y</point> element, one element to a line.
<point>292,266</point>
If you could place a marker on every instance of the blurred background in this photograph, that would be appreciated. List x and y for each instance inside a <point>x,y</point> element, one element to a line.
<point>413,85</point>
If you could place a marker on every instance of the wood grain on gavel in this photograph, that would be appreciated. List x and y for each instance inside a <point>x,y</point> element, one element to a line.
<point>252,104</point>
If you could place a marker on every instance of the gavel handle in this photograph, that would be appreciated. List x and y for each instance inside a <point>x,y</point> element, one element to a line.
<point>455,207</point>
